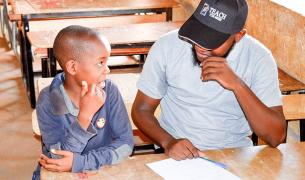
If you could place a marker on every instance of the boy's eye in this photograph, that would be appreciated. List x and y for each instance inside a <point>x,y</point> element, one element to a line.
<point>101,64</point>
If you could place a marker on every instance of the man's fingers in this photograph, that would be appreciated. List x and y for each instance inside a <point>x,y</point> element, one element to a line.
<point>212,64</point>
<point>84,88</point>
<point>209,70</point>
<point>214,59</point>
<point>193,150</point>
<point>210,76</point>
<point>190,155</point>
<point>182,152</point>
<point>177,156</point>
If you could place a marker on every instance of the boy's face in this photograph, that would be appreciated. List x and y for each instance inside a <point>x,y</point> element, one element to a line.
<point>92,65</point>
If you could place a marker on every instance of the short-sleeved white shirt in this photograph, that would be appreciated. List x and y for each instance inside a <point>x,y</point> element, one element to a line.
<point>204,112</point>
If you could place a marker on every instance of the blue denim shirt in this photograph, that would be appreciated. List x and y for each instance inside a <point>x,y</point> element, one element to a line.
<point>94,147</point>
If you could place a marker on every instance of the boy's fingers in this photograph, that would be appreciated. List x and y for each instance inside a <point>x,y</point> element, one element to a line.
<point>84,88</point>
<point>48,162</point>
<point>40,159</point>
<point>61,152</point>
<point>44,157</point>
<point>51,167</point>
<point>103,94</point>
<point>42,162</point>
<point>92,90</point>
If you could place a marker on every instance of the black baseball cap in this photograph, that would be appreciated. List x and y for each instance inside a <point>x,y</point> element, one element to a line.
<point>214,21</point>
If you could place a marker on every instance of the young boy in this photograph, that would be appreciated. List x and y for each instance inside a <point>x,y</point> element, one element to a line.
<point>81,115</point>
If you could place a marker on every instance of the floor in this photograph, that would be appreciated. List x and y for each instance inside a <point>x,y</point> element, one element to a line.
<point>19,148</point>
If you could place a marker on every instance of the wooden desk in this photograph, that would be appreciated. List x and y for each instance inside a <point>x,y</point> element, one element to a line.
<point>259,162</point>
<point>288,83</point>
<point>49,9</point>
<point>125,36</point>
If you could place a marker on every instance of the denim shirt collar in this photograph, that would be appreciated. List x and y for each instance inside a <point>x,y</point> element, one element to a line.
<point>60,100</point>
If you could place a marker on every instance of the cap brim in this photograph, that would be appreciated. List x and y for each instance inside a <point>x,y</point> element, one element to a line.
<point>198,33</point>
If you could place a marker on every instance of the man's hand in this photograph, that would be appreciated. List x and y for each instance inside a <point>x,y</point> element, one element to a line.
<point>217,69</point>
<point>57,165</point>
<point>180,149</point>
<point>91,101</point>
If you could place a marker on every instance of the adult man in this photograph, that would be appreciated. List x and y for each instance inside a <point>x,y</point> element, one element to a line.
<point>215,85</point>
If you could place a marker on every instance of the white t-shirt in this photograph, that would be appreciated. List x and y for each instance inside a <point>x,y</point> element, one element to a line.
<point>204,112</point>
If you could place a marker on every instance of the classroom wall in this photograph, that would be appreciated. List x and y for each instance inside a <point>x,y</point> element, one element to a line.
<point>280,25</point>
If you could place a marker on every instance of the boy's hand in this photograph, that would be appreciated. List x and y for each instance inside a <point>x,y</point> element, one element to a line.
<point>57,165</point>
<point>180,149</point>
<point>90,102</point>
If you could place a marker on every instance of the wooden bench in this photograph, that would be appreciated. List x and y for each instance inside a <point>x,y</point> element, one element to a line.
<point>294,109</point>
<point>127,86</point>
<point>289,84</point>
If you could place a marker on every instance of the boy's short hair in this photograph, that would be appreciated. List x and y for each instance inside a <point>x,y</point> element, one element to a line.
<point>71,42</point>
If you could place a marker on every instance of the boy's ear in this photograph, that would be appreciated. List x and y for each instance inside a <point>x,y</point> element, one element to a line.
<point>71,67</point>
<point>240,35</point>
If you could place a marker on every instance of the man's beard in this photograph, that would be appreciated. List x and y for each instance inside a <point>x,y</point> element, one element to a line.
<point>196,60</point>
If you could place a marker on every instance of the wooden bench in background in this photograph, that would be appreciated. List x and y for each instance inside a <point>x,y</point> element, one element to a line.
<point>136,38</point>
<point>289,84</point>
<point>292,103</point>
<point>26,11</point>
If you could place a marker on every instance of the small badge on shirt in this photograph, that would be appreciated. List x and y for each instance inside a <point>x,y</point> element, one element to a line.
<point>100,123</point>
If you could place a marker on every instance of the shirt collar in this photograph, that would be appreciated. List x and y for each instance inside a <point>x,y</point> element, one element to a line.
<point>60,100</point>
<point>69,104</point>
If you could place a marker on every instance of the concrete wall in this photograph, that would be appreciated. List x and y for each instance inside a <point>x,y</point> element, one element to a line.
<point>278,24</point>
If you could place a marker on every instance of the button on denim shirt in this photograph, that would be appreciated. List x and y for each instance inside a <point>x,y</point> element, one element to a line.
<point>94,147</point>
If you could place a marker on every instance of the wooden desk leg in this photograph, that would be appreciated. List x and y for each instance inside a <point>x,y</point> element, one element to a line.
<point>44,67</point>
<point>28,60</point>
<point>53,69</point>
<point>22,54</point>
<point>169,14</point>
<point>302,129</point>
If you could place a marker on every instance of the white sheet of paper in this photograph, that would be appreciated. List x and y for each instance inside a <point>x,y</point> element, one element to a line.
<point>190,169</point>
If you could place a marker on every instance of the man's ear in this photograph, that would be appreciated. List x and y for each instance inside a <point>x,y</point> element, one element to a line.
<point>71,67</point>
<point>240,35</point>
